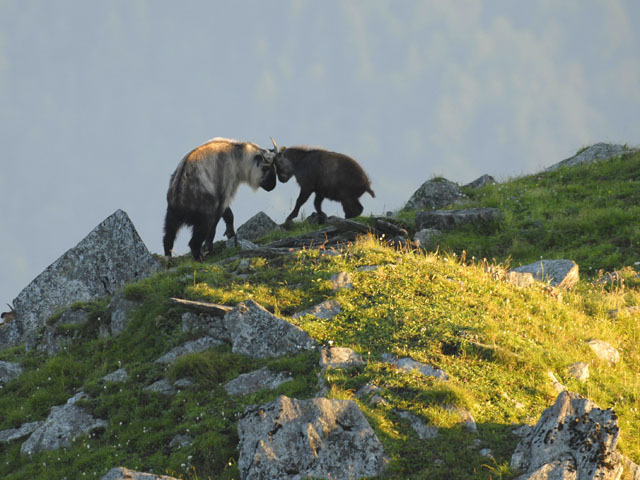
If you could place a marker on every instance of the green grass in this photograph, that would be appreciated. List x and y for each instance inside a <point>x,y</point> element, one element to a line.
<point>588,213</point>
<point>451,310</point>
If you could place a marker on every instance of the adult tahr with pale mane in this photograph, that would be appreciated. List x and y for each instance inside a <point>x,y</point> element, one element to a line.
<point>205,182</point>
<point>327,174</point>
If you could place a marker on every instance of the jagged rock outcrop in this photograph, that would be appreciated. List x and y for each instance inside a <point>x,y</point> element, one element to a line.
<point>481,181</point>
<point>252,382</point>
<point>409,365</point>
<point>194,346</point>
<point>120,375</point>
<point>424,431</point>
<point>579,371</point>
<point>435,193</point>
<point>295,439</point>
<point>58,335</point>
<point>449,219</point>
<point>22,431</point>
<point>121,473</point>
<point>119,314</point>
<point>341,280</point>
<point>559,273</point>
<point>427,238</point>
<point>162,386</point>
<point>604,351</point>
<point>598,151</point>
<point>110,256</point>
<point>256,227</point>
<point>257,333</point>
<point>9,371</point>
<point>574,439</point>
<point>340,357</point>
<point>62,426</point>
<point>327,309</point>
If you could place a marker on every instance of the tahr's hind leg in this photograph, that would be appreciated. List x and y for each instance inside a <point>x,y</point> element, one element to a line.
<point>172,223</point>
<point>200,231</point>
<point>317,203</point>
<point>352,207</point>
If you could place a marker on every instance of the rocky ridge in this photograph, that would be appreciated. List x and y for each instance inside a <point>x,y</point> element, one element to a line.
<point>265,431</point>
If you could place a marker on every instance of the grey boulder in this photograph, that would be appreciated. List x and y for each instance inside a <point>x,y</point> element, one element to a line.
<point>449,219</point>
<point>559,273</point>
<point>194,346</point>
<point>9,371</point>
<point>257,333</point>
<point>573,439</point>
<point>62,426</point>
<point>25,429</point>
<point>121,473</point>
<point>256,227</point>
<point>340,357</point>
<point>295,439</point>
<point>325,310</point>
<point>409,365</point>
<point>598,151</point>
<point>252,382</point>
<point>481,181</point>
<point>435,193</point>
<point>109,257</point>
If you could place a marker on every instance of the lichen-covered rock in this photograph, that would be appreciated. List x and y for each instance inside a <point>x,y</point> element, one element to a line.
<point>481,181</point>
<point>257,333</point>
<point>194,346</point>
<point>295,439</point>
<point>60,334</point>
<point>256,227</point>
<point>110,256</point>
<point>444,220</point>
<point>25,429</point>
<point>9,371</point>
<point>579,371</point>
<point>121,473</point>
<point>327,309</point>
<point>163,387</point>
<point>119,313</point>
<point>252,382</point>
<point>340,357</point>
<point>341,280</point>
<point>424,431</point>
<point>119,375</point>
<point>598,151</point>
<point>604,351</point>
<point>62,426</point>
<point>559,273</point>
<point>427,238</point>
<point>435,193</point>
<point>410,365</point>
<point>204,324</point>
<point>573,439</point>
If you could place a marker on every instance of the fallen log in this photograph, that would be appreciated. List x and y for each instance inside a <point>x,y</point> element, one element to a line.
<point>206,307</point>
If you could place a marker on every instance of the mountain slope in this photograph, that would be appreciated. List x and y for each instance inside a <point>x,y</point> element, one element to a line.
<point>495,341</point>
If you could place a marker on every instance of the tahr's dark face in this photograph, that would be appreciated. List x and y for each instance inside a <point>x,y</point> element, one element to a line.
<point>268,181</point>
<point>284,167</point>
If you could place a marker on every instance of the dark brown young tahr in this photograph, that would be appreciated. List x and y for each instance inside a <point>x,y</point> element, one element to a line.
<point>205,182</point>
<point>327,174</point>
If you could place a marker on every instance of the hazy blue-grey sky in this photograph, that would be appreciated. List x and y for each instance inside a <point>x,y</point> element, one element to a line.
<point>99,100</point>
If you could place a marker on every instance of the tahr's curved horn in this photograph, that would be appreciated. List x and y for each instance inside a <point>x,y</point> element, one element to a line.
<point>275,147</point>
